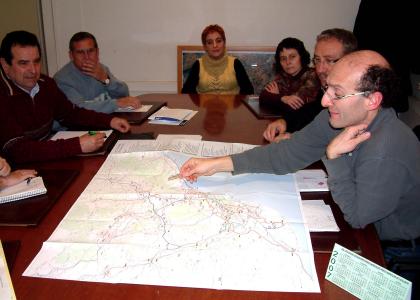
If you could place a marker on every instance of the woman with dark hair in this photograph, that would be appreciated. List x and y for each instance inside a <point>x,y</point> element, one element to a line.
<point>295,84</point>
<point>216,72</point>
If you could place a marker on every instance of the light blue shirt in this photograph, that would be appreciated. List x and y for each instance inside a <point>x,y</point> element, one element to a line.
<point>87,92</point>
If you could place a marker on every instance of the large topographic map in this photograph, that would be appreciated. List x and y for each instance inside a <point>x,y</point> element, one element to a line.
<point>132,225</point>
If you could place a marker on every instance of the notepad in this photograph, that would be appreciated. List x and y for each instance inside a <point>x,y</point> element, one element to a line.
<point>143,108</point>
<point>172,116</point>
<point>319,216</point>
<point>23,190</point>
<point>68,134</point>
<point>312,180</point>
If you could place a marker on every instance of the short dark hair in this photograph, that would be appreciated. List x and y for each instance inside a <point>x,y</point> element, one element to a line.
<point>381,79</point>
<point>345,37</point>
<point>80,36</point>
<point>210,29</point>
<point>292,43</point>
<point>15,38</point>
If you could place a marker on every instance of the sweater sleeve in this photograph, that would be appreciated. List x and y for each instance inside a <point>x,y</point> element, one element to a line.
<point>302,149</point>
<point>20,149</point>
<point>80,88</point>
<point>269,99</point>
<point>245,85</point>
<point>71,115</point>
<point>101,103</point>
<point>309,87</point>
<point>273,100</point>
<point>116,88</point>
<point>190,85</point>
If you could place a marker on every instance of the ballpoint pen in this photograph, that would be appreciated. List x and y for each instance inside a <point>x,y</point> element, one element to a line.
<point>176,176</point>
<point>28,180</point>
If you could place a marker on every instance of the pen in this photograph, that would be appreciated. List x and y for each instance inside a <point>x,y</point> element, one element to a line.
<point>28,180</point>
<point>176,176</point>
<point>91,132</point>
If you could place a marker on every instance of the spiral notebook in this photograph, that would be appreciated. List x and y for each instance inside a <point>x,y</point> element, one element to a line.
<point>23,190</point>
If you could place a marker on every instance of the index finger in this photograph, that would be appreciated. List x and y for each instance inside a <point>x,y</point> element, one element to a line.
<point>357,129</point>
<point>187,169</point>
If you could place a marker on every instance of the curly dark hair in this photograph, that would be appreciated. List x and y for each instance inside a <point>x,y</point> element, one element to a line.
<point>292,43</point>
<point>17,38</point>
<point>210,29</point>
<point>383,80</point>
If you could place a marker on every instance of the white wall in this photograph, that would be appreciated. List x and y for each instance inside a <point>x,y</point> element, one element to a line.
<point>22,15</point>
<point>138,38</point>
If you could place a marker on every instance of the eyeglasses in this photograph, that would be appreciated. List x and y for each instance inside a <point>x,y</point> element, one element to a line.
<point>335,97</point>
<point>329,62</point>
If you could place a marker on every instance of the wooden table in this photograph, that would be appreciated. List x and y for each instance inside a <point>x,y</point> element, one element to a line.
<point>219,119</point>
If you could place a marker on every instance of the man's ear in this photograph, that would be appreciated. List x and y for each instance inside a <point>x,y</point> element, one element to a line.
<point>4,64</point>
<point>374,100</point>
<point>70,55</point>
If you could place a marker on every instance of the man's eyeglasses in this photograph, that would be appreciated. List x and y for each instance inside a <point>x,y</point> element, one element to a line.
<point>317,61</point>
<point>336,97</point>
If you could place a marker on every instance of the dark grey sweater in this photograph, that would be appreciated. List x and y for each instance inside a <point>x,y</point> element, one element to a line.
<point>379,182</point>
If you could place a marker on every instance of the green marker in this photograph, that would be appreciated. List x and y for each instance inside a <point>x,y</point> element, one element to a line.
<point>91,132</point>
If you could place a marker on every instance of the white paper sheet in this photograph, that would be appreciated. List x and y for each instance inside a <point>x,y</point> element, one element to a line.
<point>312,180</point>
<point>319,216</point>
<point>187,146</point>
<point>71,134</point>
<point>6,287</point>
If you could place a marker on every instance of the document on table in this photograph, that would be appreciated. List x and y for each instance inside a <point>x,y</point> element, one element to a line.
<point>171,137</point>
<point>71,134</point>
<point>319,216</point>
<point>312,180</point>
<point>187,146</point>
<point>143,108</point>
<point>6,286</point>
<point>172,116</point>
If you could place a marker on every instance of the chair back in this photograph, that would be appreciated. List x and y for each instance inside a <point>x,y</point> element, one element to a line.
<point>258,62</point>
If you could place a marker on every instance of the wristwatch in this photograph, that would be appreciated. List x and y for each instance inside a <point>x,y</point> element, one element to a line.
<point>106,81</point>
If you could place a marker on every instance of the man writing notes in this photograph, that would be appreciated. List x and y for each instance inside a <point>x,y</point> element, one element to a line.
<point>90,84</point>
<point>331,45</point>
<point>30,102</point>
<point>372,158</point>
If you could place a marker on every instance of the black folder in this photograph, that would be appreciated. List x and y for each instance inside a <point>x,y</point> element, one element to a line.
<point>140,117</point>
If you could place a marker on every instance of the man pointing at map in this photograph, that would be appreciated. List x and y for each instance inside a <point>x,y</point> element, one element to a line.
<point>372,158</point>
